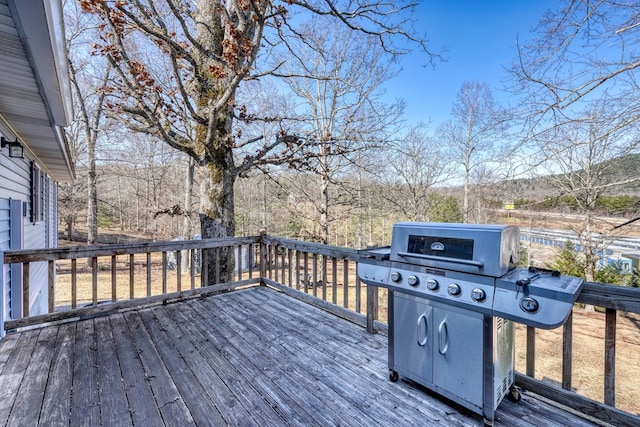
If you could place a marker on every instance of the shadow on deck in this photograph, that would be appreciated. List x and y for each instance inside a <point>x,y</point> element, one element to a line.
<point>248,357</point>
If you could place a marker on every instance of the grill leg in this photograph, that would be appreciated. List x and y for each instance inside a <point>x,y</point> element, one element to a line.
<point>488,423</point>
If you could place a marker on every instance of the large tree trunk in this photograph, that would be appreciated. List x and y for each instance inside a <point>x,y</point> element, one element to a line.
<point>217,220</point>
<point>217,216</point>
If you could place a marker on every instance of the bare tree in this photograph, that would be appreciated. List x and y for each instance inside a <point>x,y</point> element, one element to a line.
<point>579,164</point>
<point>337,78</point>
<point>87,79</point>
<point>581,106</point>
<point>415,165</point>
<point>475,133</point>
<point>172,57</point>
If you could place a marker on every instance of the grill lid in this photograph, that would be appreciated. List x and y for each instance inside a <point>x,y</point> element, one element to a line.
<point>490,250</point>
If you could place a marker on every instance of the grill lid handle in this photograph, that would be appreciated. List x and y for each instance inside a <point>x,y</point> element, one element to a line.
<point>477,264</point>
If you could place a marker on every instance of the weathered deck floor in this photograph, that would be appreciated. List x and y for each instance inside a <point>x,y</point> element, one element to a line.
<point>251,357</point>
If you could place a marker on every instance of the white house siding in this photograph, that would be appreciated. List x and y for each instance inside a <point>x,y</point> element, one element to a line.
<point>15,183</point>
<point>5,284</point>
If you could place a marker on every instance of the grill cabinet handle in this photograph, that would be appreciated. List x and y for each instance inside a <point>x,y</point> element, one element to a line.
<point>443,331</point>
<point>477,264</point>
<point>423,320</point>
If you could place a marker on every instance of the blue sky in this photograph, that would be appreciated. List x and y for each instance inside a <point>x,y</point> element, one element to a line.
<point>480,38</point>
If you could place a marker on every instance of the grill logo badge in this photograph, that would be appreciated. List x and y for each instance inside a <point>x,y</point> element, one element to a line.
<point>437,246</point>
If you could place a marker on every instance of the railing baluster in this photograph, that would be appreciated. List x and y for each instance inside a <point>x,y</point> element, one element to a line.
<point>114,284</point>
<point>217,265</point>
<point>52,286</point>
<point>230,270</point>
<point>276,267</point>
<point>164,272</point>
<point>306,272</point>
<point>610,357</point>
<point>269,255</point>
<point>324,277</point>
<point>567,345</point>
<point>263,260</point>
<point>25,289</point>
<point>297,269</point>
<point>289,266</point>
<point>334,280</point>
<point>240,262</point>
<point>315,274</point>
<point>283,264</point>
<point>204,270</point>
<point>94,280</point>
<point>345,283</point>
<point>74,283</point>
<point>178,271</point>
<point>192,267</point>
<point>250,256</point>
<point>131,276</point>
<point>358,295</point>
<point>148,274</point>
<point>531,351</point>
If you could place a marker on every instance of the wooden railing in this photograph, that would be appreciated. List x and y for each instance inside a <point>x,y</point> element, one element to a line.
<point>126,275</point>
<point>322,275</point>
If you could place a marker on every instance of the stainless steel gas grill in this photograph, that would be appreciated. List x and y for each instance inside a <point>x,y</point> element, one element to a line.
<point>454,292</point>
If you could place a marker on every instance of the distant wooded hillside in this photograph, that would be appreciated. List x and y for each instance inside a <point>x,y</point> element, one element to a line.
<point>619,170</point>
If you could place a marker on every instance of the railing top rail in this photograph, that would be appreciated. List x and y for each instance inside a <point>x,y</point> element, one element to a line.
<point>610,296</point>
<point>318,248</point>
<point>35,255</point>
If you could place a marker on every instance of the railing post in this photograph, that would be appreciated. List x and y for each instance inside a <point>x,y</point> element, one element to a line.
<point>567,345</point>
<point>263,257</point>
<point>372,307</point>
<point>610,357</point>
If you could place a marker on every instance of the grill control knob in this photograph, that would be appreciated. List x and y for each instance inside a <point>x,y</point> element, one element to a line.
<point>413,281</point>
<point>454,289</point>
<point>432,284</point>
<point>478,295</point>
<point>396,277</point>
<point>530,305</point>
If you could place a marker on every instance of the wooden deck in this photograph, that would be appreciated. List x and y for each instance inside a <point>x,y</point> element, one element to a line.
<point>249,357</point>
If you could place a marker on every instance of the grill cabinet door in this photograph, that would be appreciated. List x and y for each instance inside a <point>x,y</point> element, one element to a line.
<point>413,337</point>
<point>458,353</point>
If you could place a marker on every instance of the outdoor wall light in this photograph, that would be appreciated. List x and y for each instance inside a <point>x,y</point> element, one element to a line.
<point>16,150</point>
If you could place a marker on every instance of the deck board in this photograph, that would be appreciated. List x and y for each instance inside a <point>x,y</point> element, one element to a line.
<point>247,358</point>
<point>114,407</point>
<point>167,397</point>
<point>13,372</point>
<point>57,395</point>
<point>85,402</point>
<point>31,393</point>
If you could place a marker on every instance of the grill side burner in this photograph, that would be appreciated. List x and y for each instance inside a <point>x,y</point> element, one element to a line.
<point>454,292</point>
